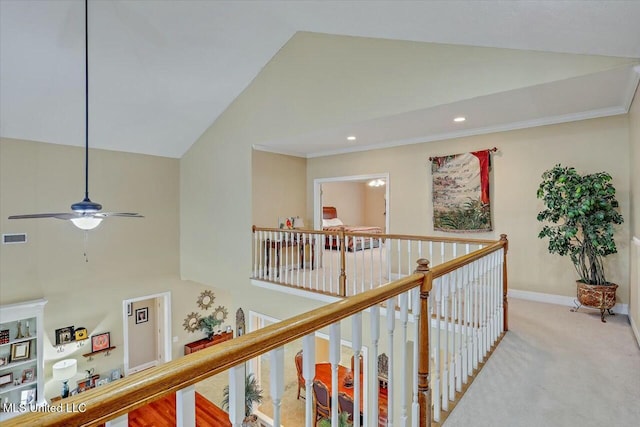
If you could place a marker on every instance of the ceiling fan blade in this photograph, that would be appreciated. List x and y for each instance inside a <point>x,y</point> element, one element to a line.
<point>45,215</point>
<point>125,214</point>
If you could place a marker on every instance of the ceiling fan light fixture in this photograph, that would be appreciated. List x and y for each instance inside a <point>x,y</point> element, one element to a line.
<point>86,222</point>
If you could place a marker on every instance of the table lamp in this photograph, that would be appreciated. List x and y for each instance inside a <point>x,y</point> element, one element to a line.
<point>63,371</point>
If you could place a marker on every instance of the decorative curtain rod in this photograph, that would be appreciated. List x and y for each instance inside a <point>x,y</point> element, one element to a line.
<point>494,149</point>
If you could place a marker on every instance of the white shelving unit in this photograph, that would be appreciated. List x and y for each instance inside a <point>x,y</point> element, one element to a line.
<point>22,354</point>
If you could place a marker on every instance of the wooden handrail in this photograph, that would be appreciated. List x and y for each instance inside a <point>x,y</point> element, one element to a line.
<point>449,266</point>
<point>123,396</point>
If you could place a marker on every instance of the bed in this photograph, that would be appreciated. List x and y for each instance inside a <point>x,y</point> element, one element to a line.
<point>331,222</point>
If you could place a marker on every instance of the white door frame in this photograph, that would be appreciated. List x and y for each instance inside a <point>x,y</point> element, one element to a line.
<point>317,195</point>
<point>164,325</point>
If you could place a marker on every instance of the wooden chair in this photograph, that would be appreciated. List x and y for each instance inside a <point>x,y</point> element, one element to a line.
<point>383,370</point>
<point>345,404</point>
<point>301,384</point>
<point>322,400</point>
<point>361,365</point>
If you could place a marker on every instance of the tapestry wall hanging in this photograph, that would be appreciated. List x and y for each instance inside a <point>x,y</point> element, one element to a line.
<point>461,192</point>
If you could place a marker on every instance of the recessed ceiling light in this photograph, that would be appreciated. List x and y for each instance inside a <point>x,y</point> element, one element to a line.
<point>351,138</point>
<point>460,119</point>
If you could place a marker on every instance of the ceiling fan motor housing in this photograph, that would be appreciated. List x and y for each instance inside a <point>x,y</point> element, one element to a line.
<point>86,206</point>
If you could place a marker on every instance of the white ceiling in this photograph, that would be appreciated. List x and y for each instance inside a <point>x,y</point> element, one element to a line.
<point>161,72</point>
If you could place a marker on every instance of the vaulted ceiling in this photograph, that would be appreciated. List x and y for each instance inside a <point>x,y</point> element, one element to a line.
<point>396,72</point>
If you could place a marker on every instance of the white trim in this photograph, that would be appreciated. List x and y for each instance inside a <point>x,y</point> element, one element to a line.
<point>142,367</point>
<point>558,299</point>
<point>634,78</point>
<point>636,241</point>
<point>316,296</point>
<point>634,328</point>
<point>295,291</point>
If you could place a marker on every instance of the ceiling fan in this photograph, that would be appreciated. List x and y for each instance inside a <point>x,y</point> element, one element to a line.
<point>86,214</point>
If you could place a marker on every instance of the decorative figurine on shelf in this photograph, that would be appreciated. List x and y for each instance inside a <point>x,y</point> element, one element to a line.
<point>19,334</point>
<point>27,334</point>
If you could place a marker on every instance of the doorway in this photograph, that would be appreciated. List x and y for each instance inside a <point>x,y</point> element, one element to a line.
<point>146,332</point>
<point>370,197</point>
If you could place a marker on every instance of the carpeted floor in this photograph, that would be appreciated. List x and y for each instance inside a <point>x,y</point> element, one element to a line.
<point>556,368</point>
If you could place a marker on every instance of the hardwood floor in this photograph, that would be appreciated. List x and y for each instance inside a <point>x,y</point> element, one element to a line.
<point>162,413</point>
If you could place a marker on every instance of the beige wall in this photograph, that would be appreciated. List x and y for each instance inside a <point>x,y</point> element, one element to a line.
<point>522,157</point>
<point>348,198</point>
<point>634,138</point>
<point>127,258</point>
<point>375,209</point>
<point>306,87</point>
<point>278,186</point>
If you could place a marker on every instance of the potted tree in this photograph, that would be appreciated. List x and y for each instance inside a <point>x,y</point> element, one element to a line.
<point>252,394</point>
<point>343,421</point>
<point>582,210</point>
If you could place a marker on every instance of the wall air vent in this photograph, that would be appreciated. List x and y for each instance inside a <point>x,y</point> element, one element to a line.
<point>8,239</point>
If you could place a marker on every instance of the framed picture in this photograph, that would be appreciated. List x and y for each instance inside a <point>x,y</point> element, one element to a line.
<point>142,315</point>
<point>27,375</point>
<point>100,341</point>
<point>28,397</point>
<point>64,335</point>
<point>129,311</point>
<point>4,336</point>
<point>115,374</point>
<point>80,334</point>
<point>20,351</point>
<point>6,379</point>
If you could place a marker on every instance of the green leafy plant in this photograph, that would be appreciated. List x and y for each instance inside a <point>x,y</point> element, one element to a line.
<point>583,211</point>
<point>252,394</point>
<point>471,215</point>
<point>343,421</point>
<point>208,325</point>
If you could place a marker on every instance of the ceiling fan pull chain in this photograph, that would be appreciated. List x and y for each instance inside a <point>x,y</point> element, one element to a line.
<point>86,245</point>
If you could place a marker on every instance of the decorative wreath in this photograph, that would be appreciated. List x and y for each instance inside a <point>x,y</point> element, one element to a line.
<point>220,313</point>
<point>205,300</point>
<point>191,322</point>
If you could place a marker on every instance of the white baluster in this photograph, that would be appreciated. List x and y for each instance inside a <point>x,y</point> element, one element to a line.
<point>404,318</point>
<point>476,318</point>
<point>442,258</point>
<point>436,351</point>
<point>460,330</point>
<point>415,406</point>
<point>391,386</point>
<point>445,372</point>
<point>356,345</point>
<point>373,393</point>
<point>466,364</point>
<point>276,381</point>
<point>309,373</point>
<point>451,325</point>
<point>186,406</point>
<point>236,395</point>
<point>334,358</point>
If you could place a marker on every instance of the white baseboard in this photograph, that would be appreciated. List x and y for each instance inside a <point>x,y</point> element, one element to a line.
<point>558,299</point>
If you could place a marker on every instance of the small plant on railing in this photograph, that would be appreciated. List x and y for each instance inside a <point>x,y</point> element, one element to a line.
<point>343,421</point>
<point>252,394</point>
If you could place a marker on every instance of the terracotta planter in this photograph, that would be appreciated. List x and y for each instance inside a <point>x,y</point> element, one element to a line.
<point>597,296</point>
